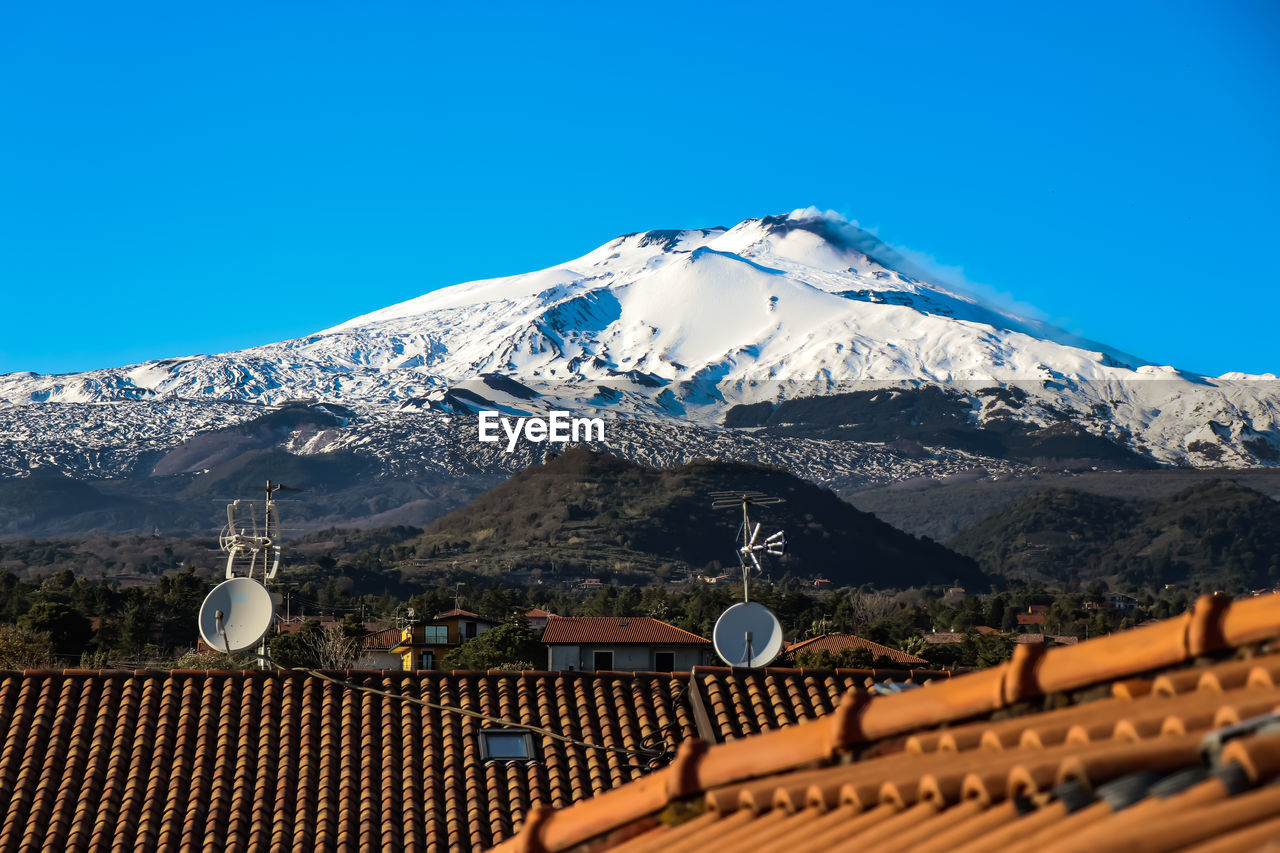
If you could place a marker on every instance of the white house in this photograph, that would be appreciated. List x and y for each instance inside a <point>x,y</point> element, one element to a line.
<point>622,644</point>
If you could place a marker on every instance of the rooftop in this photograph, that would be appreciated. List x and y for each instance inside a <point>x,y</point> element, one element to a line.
<point>381,641</point>
<point>1121,742</point>
<point>449,614</point>
<point>283,760</point>
<point>615,630</point>
<point>274,759</point>
<point>836,643</point>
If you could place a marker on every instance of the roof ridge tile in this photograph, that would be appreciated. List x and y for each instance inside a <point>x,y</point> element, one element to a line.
<point>1214,624</point>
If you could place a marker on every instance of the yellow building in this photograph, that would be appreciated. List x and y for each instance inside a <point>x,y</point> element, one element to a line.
<point>424,646</point>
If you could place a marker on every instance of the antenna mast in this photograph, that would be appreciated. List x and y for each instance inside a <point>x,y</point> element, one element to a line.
<point>252,544</point>
<point>245,540</point>
<point>774,544</point>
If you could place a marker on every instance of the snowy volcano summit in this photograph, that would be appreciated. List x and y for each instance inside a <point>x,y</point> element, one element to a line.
<point>722,329</point>
<point>799,298</point>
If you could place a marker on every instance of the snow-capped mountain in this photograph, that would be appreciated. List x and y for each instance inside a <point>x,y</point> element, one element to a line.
<point>678,327</point>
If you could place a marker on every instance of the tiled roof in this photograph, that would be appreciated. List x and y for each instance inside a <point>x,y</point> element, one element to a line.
<point>1084,733</point>
<point>836,643</point>
<point>280,759</point>
<point>618,630</point>
<point>457,612</point>
<point>942,638</point>
<point>1059,639</point>
<point>384,640</point>
<point>734,703</point>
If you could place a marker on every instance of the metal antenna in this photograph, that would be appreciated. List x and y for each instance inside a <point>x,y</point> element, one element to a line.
<point>774,544</point>
<point>252,543</point>
<point>261,547</point>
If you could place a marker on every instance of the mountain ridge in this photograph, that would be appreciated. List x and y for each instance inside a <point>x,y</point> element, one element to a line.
<point>672,328</point>
<point>586,512</point>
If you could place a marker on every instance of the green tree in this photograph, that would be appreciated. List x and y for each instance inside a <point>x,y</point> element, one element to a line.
<point>602,602</point>
<point>915,645</point>
<point>294,648</point>
<point>69,629</point>
<point>22,648</point>
<point>511,645</point>
<point>990,649</point>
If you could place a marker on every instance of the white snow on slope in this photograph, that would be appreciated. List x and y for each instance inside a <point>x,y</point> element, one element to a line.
<point>771,308</point>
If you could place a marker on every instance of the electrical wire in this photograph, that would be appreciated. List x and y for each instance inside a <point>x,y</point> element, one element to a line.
<point>648,750</point>
<point>653,755</point>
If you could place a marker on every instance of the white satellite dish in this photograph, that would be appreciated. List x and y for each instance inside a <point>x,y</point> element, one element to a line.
<point>747,634</point>
<point>236,615</point>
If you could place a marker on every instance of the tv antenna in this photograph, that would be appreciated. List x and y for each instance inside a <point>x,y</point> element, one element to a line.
<point>748,634</point>
<point>252,538</point>
<point>752,545</point>
<point>238,612</point>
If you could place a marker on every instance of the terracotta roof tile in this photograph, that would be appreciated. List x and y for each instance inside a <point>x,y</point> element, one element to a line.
<point>387,638</point>
<point>617,630</point>
<point>1015,784</point>
<point>836,643</point>
<point>730,703</point>
<point>458,612</point>
<point>167,760</point>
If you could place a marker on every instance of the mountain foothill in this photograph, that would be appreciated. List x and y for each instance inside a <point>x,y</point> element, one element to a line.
<point>919,433</point>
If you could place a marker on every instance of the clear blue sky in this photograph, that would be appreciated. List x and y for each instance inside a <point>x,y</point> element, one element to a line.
<point>181,177</point>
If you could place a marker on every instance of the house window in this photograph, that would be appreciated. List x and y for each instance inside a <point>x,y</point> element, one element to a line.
<point>471,629</point>
<point>664,661</point>
<point>435,635</point>
<point>603,660</point>
<point>506,745</point>
<point>426,660</point>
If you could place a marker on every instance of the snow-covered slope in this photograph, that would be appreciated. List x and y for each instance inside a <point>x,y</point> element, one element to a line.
<point>680,325</point>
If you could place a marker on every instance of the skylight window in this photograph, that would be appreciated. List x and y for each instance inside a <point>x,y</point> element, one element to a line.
<point>506,745</point>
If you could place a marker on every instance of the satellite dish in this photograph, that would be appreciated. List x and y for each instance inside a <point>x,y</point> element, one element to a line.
<point>747,634</point>
<point>236,615</point>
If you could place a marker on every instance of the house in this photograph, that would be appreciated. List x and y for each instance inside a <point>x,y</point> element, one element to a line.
<point>1123,742</point>
<point>1036,614</point>
<point>838,643</point>
<point>621,644</point>
<point>1119,601</point>
<point>376,650</point>
<point>537,618</point>
<point>423,646</point>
